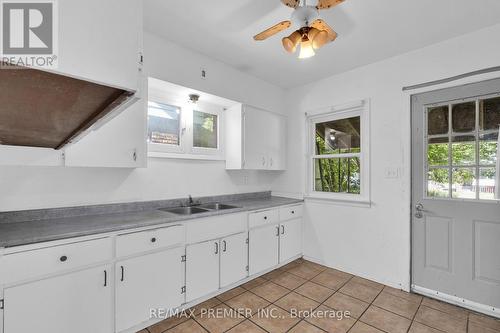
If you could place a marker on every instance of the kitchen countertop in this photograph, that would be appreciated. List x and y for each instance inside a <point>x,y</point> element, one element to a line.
<point>42,230</point>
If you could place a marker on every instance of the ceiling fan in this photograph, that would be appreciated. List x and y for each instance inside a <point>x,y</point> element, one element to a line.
<point>313,32</point>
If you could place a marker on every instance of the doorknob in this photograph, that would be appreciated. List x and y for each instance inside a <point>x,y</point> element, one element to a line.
<point>419,211</point>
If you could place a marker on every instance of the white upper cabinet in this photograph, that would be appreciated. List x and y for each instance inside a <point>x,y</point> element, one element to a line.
<point>100,41</point>
<point>256,139</point>
<point>120,142</point>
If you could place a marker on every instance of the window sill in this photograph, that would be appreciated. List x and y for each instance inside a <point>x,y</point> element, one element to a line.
<point>343,201</point>
<point>182,156</point>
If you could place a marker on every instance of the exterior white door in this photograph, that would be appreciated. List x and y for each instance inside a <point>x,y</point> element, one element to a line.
<point>148,282</point>
<point>233,259</point>
<point>78,302</point>
<point>202,269</point>
<point>263,248</point>
<point>456,213</point>
<point>290,239</point>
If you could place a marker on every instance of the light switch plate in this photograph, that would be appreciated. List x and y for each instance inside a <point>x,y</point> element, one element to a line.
<point>391,173</point>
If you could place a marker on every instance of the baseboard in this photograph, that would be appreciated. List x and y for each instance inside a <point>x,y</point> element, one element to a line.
<point>464,303</point>
<point>360,274</point>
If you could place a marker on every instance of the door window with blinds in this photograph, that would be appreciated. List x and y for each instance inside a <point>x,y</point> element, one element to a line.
<point>462,149</point>
<point>338,151</point>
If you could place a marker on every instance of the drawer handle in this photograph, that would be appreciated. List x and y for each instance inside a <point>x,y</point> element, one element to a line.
<point>105,278</point>
<point>63,258</point>
<point>153,240</point>
<point>123,273</point>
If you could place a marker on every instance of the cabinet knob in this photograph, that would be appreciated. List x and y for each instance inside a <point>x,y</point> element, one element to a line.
<point>265,217</point>
<point>153,240</point>
<point>63,258</point>
<point>293,212</point>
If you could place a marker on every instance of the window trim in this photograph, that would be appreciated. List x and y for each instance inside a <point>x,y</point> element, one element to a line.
<point>354,109</point>
<point>167,148</point>
<point>185,149</point>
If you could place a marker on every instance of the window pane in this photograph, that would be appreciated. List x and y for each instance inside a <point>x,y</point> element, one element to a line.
<point>338,136</point>
<point>487,183</point>
<point>463,183</point>
<point>338,175</point>
<point>489,114</point>
<point>463,150</point>
<point>438,183</point>
<point>204,130</point>
<point>463,117</point>
<point>488,144</point>
<point>437,151</point>
<point>163,123</point>
<point>437,120</point>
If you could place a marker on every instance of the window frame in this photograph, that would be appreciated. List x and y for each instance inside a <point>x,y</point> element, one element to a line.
<point>355,109</point>
<point>477,166</point>
<point>185,149</point>
<point>163,147</point>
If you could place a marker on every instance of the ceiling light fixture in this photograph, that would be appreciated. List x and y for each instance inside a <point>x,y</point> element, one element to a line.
<point>194,98</point>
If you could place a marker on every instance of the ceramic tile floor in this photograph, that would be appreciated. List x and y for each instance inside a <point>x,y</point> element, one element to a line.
<point>287,295</point>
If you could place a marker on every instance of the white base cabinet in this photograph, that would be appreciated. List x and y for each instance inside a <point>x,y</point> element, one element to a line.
<point>263,248</point>
<point>202,269</point>
<point>79,302</point>
<point>152,281</point>
<point>233,259</point>
<point>290,239</point>
<point>215,264</point>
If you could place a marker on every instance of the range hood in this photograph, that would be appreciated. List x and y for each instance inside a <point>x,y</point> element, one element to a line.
<point>43,109</point>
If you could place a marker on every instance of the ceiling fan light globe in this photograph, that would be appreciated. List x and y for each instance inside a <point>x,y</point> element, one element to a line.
<point>306,50</point>
<point>290,43</point>
<point>320,39</point>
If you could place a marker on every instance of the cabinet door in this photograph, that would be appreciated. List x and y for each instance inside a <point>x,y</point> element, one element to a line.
<point>290,239</point>
<point>148,282</point>
<point>255,139</point>
<point>263,248</point>
<point>202,269</point>
<point>118,143</point>
<point>79,302</point>
<point>233,259</point>
<point>100,40</point>
<point>276,146</point>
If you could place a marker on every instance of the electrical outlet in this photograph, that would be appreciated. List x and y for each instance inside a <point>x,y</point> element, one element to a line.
<point>203,73</point>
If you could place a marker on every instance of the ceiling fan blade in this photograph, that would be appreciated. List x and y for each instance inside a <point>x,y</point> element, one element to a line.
<point>322,26</point>
<point>325,4</point>
<point>291,3</point>
<point>273,30</point>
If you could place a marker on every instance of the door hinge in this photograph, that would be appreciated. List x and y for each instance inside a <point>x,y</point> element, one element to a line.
<point>1,304</point>
<point>246,268</point>
<point>183,289</point>
<point>183,258</point>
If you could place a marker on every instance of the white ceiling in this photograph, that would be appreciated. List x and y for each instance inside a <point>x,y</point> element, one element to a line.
<point>369,31</point>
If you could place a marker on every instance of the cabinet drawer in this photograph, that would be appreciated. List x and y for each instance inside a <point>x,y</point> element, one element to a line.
<point>209,228</point>
<point>35,263</point>
<point>290,212</point>
<point>263,218</point>
<point>143,241</point>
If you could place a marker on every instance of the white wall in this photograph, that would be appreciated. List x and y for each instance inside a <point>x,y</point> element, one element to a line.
<point>375,242</point>
<point>44,187</point>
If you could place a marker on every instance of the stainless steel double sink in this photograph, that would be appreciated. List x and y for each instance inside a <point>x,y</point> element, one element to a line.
<point>190,210</point>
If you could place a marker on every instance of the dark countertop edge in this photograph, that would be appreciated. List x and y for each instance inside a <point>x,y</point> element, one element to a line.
<point>149,222</point>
